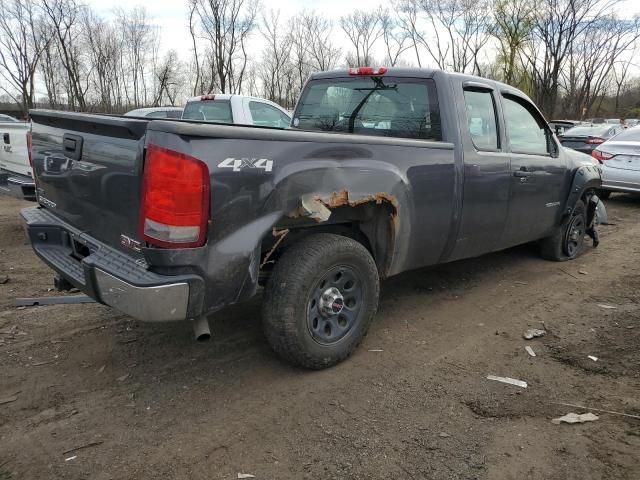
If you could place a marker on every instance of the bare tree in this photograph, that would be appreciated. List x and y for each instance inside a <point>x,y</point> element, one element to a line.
<point>318,31</point>
<point>21,45</point>
<point>63,17</point>
<point>513,25</point>
<point>557,26</point>
<point>276,61</point>
<point>364,29</point>
<point>226,25</point>
<point>396,39</point>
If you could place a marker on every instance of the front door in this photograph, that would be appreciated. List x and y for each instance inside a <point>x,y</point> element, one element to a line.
<point>537,173</point>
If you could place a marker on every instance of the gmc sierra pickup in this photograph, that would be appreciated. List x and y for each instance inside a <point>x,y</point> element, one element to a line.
<point>382,171</point>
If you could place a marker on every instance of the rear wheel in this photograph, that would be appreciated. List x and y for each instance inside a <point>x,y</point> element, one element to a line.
<point>568,240</point>
<point>320,300</point>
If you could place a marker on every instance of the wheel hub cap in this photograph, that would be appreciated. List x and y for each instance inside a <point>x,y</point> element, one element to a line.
<point>331,302</point>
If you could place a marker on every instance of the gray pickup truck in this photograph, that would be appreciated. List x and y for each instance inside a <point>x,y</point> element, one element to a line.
<point>382,171</point>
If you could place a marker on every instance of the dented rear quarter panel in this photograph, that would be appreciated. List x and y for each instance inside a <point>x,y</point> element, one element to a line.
<point>417,178</point>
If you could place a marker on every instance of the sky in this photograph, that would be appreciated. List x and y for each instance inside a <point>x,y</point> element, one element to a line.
<point>171,16</point>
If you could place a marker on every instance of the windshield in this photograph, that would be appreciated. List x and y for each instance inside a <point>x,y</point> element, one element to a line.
<point>384,106</point>
<point>218,111</point>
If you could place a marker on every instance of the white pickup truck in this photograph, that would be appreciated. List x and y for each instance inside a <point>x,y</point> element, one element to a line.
<point>16,177</point>
<point>236,109</point>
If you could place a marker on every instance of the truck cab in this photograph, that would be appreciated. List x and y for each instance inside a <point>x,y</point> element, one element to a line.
<point>236,109</point>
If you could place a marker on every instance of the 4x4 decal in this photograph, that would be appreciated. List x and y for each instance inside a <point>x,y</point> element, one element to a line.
<point>239,164</point>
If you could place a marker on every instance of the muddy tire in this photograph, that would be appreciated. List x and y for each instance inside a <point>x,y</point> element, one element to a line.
<point>568,240</point>
<point>320,300</point>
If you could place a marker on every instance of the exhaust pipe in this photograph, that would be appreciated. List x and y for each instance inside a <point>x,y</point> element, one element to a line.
<point>201,329</point>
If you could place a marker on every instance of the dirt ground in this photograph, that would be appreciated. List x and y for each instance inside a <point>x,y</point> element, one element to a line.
<point>86,392</point>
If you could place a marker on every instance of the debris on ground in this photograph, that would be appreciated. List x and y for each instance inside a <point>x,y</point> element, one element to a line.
<point>444,435</point>
<point>582,407</point>
<point>575,418</point>
<point>510,381</point>
<point>530,351</point>
<point>607,307</point>
<point>70,458</point>
<point>123,377</point>
<point>101,369</point>
<point>82,447</point>
<point>10,399</point>
<point>246,475</point>
<point>533,333</point>
<point>376,350</point>
<point>517,282</point>
<point>583,272</point>
<point>4,279</point>
<point>591,357</point>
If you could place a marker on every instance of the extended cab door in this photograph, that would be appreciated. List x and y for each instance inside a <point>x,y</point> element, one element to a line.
<point>487,174</point>
<point>538,172</point>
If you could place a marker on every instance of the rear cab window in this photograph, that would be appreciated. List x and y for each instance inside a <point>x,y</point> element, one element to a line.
<point>379,106</point>
<point>216,111</point>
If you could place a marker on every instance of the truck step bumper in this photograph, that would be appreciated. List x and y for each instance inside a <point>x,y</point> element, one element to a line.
<point>110,276</point>
<point>18,186</point>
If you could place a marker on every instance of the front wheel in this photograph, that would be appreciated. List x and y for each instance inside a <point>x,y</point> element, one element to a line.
<point>568,240</point>
<point>320,300</point>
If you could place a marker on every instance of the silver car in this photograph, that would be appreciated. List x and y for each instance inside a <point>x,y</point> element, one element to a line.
<point>620,160</point>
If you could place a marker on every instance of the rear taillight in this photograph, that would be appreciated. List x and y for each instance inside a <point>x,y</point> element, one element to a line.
<point>207,97</point>
<point>594,140</point>
<point>30,153</point>
<point>175,199</point>
<point>601,156</point>
<point>367,71</point>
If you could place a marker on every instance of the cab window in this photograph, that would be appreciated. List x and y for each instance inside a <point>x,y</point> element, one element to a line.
<point>481,119</point>
<point>265,115</point>
<point>526,130</point>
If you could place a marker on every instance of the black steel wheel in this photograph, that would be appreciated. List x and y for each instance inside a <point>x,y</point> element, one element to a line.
<point>320,300</point>
<point>567,242</point>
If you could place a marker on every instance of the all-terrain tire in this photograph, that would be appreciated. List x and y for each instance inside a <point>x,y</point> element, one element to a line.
<point>556,247</point>
<point>293,300</point>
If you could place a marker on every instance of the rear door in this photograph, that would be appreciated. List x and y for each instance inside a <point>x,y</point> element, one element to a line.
<point>487,172</point>
<point>537,172</point>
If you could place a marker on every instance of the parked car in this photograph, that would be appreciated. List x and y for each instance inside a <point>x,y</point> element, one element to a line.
<point>631,122</point>
<point>156,112</point>
<point>585,138</point>
<point>7,118</point>
<point>620,160</point>
<point>383,171</point>
<point>560,126</point>
<point>237,109</point>
<point>16,176</point>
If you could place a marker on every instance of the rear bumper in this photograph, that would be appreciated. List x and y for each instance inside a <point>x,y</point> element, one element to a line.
<point>110,276</point>
<point>17,185</point>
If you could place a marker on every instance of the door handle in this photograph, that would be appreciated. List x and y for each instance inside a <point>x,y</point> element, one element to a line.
<point>521,173</point>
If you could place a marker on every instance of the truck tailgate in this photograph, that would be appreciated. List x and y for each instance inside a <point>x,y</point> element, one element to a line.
<point>88,171</point>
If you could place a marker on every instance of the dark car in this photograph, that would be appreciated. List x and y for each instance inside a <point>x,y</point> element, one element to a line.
<point>383,171</point>
<point>585,138</point>
<point>561,126</point>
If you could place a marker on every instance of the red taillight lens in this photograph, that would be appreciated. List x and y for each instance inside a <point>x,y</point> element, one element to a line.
<point>207,97</point>
<point>594,140</point>
<point>175,199</point>
<point>601,156</point>
<point>367,71</point>
<point>30,153</point>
